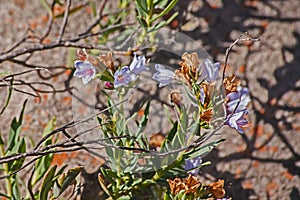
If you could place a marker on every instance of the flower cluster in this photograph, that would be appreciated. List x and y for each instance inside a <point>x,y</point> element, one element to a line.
<point>115,78</point>
<point>237,99</point>
<point>193,186</point>
<point>200,78</point>
<point>128,74</point>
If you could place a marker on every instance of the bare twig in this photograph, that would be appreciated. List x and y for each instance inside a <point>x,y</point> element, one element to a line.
<point>97,21</point>
<point>239,39</point>
<point>65,21</point>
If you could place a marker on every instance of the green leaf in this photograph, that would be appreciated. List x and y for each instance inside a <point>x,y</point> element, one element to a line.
<point>202,150</point>
<point>1,140</point>
<point>17,164</point>
<point>109,175</point>
<point>166,10</point>
<point>107,76</point>
<point>69,178</point>
<point>8,96</point>
<point>163,23</point>
<point>43,164</point>
<point>102,184</point>
<point>47,183</point>
<point>171,134</point>
<point>15,189</point>
<point>142,8</point>
<point>4,195</point>
<point>14,132</point>
<point>144,119</point>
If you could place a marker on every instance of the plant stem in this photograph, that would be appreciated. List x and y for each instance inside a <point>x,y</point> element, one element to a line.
<point>6,172</point>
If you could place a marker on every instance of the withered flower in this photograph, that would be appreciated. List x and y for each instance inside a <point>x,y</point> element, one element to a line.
<point>190,60</point>
<point>176,98</point>
<point>82,54</point>
<point>204,94</point>
<point>207,115</point>
<point>192,183</point>
<point>231,83</point>
<point>176,185</point>
<point>188,69</point>
<point>108,61</point>
<point>216,189</point>
<point>189,185</point>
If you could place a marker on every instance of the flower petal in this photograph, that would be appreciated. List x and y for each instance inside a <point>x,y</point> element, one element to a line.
<point>163,76</point>
<point>84,70</point>
<point>138,64</point>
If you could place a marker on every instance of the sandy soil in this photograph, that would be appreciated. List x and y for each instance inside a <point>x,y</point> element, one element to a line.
<point>264,163</point>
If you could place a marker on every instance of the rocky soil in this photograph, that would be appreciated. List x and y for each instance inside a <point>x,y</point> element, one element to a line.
<point>264,163</point>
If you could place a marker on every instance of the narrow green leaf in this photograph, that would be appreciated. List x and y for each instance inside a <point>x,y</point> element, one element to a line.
<point>47,184</point>
<point>172,133</point>
<point>107,76</point>
<point>70,178</point>
<point>14,132</point>
<point>17,164</point>
<point>163,23</point>
<point>202,150</point>
<point>142,8</point>
<point>8,96</point>
<point>1,140</point>
<point>4,195</point>
<point>43,164</point>
<point>165,11</point>
<point>15,189</point>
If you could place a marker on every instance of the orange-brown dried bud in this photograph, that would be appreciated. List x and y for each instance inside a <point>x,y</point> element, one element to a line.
<point>207,115</point>
<point>216,189</point>
<point>176,185</point>
<point>192,184</point>
<point>231,83</point>
<point>189,185</point>
<point>108,61</point>
<point>176,98</point>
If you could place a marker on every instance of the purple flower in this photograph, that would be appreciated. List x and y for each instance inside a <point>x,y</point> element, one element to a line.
<point>210,71</point>
<point>123,77</point>
<point>84,70</point>
<point>237,120</point>
<point>163,76</point>
<point>138,64</point>
<point>202,95</point>
<point>191,164</point>
<point>239,100</point>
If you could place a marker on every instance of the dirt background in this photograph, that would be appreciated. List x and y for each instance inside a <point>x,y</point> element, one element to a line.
<point>264,163</point>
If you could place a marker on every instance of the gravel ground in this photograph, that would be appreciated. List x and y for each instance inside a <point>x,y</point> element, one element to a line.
<point>264,163</point>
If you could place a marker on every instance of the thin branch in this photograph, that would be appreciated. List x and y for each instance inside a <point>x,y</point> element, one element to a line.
<point>97,21</point>
<point>50,22</point>
<point>239,39</point>
<point>66,43</point>
<point>29,186</point>
<point>65,21</point>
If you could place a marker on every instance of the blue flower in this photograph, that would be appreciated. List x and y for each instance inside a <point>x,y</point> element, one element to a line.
<point>191,164</point>
<point>237,120</point>
<point>210,71</point>
<point>138,64</point>
<point>123,77</point>
<point>238,101</point>
<point>163,76</point>
<point>84,70</point>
